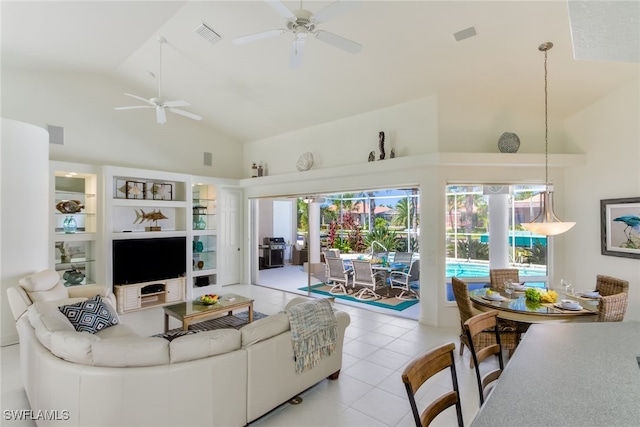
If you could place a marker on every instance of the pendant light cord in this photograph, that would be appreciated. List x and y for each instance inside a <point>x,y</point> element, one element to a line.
<point>546,127</point>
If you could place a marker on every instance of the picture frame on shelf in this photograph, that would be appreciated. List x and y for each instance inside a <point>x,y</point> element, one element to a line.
<point>620,227</point>
<point>135,190</point>
<point>159,191</point>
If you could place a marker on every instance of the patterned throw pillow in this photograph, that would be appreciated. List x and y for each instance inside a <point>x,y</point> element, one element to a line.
<point>91,315</point>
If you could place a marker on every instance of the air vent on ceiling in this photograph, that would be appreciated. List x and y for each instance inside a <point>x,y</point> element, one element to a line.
<point>207,33</point>
<point>465,34</point>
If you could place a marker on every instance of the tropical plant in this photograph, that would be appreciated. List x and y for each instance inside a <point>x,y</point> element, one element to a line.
<point>473,249</point>
<point>538,254</point>
<point>384,236</point>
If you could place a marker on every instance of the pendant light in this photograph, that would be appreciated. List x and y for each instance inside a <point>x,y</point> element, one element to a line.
<point>547,223</point>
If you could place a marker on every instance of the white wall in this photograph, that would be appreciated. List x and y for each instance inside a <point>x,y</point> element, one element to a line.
<point>609,132</point>
<point>410,128</point>
<point>95,133</point>
<point>24,209</point>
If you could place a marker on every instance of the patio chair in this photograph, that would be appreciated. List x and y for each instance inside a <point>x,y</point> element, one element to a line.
<point>406,281</point>
<point>403,257</point>
<point>338,274</point>
<point>363,275</point>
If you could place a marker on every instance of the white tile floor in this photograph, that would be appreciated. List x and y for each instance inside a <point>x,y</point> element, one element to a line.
<point>369,391</point>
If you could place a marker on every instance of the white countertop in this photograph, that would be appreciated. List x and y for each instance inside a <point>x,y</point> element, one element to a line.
<point>569,374</point>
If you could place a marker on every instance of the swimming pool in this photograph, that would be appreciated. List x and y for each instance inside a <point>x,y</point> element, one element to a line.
<point>469,269</point>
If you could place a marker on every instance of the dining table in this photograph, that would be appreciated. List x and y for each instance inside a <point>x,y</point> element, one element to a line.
<point>516,307</point>
<point>389,268</point>
<point>569,374</point>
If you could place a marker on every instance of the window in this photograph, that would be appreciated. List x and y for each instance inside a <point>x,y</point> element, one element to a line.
<point>469,235</point>
<point>351,222</point>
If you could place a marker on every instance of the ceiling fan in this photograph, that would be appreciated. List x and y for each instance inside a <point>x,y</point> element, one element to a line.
<point>302,23</point>
<point>158,103</point>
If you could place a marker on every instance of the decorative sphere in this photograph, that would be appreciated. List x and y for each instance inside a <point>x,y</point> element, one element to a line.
<point>508,143</point>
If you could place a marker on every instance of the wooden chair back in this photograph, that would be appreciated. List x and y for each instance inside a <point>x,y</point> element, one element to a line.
<point>419,371</point>
<point>478,324</point>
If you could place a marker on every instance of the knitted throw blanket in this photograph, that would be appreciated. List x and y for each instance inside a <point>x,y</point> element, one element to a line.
<point>314,331</point>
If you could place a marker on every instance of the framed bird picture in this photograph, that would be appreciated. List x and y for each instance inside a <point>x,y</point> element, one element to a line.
<point>620,227</point>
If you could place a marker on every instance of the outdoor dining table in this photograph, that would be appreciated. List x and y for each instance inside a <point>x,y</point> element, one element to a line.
<point>388,269</point>
<point>516,307</point>
<point>569,374</point>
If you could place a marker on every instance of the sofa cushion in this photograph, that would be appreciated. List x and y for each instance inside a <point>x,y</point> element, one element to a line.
<point>47,319</point>
<point>73,346</point>
<point>117,331</point>
<point>204,344</point>
<point>264,328</point>
<point>91,315</point>
<point>41,281</point>
<point>130,351</point>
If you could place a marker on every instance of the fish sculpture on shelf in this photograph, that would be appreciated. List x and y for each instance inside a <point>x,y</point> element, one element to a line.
<point>69,206</point>
<point>148,216</point>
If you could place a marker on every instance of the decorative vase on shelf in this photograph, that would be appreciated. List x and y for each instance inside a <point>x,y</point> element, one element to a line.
<point>73,277</point>
<point>69,225</point>
<point>508,143</point>
<point>201,224</point>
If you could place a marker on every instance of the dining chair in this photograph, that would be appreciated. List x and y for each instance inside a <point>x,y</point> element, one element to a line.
<point>419,370</point>
<point>403,257</point>
<point>607,285</point>
<point>338,274</point>
<point>499,275</point>
<point>363,275</point>
<point>612,308</point>
<point>509,334</point>
<point>407,281</point>
<point>474,326</point>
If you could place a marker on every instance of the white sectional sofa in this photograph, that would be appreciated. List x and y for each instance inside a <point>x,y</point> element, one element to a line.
<point>115,377</point>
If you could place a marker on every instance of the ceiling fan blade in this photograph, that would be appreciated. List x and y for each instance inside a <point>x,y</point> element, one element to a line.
<point>335,9</point>
<point>176,104</point>
<point>185,113</point>
<point>139,98</point>
<point>296,52</point>
<point>281,9</point>
<point>133,107</point>
<point>338,41</point>
<point>258,36</point>
<point>161,117</point>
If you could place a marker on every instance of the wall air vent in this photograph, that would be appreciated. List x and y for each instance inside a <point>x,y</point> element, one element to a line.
<point>207,33</point>
<point>465,34</point>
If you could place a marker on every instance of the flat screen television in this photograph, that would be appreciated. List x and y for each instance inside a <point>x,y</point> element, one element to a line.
<point>146,260</point>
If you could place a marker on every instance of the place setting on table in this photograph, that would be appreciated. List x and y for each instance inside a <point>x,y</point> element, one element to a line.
<point>529,303</point>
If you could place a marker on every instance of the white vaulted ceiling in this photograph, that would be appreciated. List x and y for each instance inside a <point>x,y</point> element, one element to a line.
<point>249,92</point>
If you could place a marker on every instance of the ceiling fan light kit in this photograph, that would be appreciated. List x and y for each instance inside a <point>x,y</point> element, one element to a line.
<point>157,102</point>
<point>302,23</point>
<point>547,223</point>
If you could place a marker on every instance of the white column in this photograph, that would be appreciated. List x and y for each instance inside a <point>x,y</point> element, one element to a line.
<point>314,233</point>
<point>24,212</point>
<point>499,231</point>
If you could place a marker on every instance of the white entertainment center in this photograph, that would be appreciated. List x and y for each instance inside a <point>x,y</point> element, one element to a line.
<point>120,204</point>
